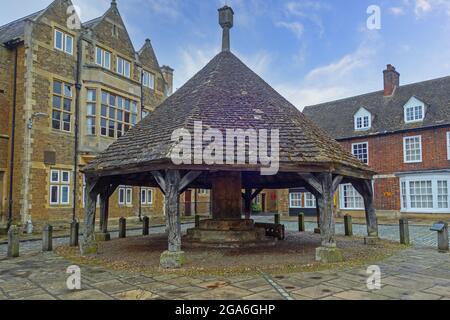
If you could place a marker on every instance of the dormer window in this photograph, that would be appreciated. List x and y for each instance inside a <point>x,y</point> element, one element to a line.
<point>414,110</point>
<point>363,120</point>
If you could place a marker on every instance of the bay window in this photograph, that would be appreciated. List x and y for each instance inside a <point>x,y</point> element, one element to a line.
<point>427,194</point>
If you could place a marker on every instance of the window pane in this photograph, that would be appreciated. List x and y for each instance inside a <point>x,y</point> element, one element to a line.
<point>99,56</point>
<point>54,177</point>
<point>65,194</point>
<point>92,95</point>
<point>143,196</point>
<point>104,97</point>
<point>65,176</point>
<point>67,105</point>
<point>69,44</point>
<point>56,120</point>
<point>104,111</point>
<point>91,109</point>
<point>58,40</point>
<point>56,102</point>
<point>54,190</point>
<point>57,87</point>
<point>107,63</point>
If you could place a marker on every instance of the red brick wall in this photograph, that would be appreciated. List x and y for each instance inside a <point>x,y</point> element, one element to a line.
<point>386,157</point>
<point>386,152</point>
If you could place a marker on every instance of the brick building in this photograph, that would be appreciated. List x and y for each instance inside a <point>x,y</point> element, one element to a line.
<point>403,132</point>
<point>67,91</point>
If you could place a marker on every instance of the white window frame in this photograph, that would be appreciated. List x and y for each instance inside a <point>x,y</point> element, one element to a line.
<point>404,149</point>
<point>148,80</point>
<point>291,200</point>
<point>123,71</point>
<point>104,53</point>
<point>448,145</point>
<point>64,40</point>
<point>413,104</point>
<point>367,149</point>
<point>148,196</point>
<point>127,191</point>
<point>361,115</point>
<point>305,200</point>
<point>60,184</point>
<point>342,198</point>
<point>405,187</point>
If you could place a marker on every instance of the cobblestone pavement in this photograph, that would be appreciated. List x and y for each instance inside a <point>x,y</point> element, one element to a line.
<point>420,235</point>
<point>417,273</point>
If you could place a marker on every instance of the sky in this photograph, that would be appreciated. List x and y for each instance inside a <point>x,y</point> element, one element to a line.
<point>310,51</point>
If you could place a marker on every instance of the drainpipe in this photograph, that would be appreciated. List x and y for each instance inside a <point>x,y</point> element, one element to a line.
<point>11,45</point>
<point>78,87</point>
<point>142,113</point>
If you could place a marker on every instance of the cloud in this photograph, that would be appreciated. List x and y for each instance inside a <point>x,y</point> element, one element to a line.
<point>422,6</point>
<point>349,75</point>
<point>307,10</point>
<point>295,27</point>
<point>397,11</point>
<point>193,59</point>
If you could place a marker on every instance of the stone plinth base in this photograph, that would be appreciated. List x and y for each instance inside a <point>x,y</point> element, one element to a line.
<point>329,255</point>
<point>172,260</point>
<point>227,234</point>
<point>102,237</point>
<point>370,241</point>
<point>88,248</point>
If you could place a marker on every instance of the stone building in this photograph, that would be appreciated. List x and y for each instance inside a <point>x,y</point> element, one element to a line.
<point>402,132</point>
<point>67,91</point>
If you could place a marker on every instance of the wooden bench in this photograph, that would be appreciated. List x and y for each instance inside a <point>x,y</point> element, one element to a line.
<point>273,230</point>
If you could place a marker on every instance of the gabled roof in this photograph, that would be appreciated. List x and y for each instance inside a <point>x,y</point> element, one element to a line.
<point>16,29</point>
<point>225,94</point>
<point>147,55</point>
<point>112,12</point>
<point>387,112</point>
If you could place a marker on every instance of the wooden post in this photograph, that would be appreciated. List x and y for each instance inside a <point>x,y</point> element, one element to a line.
<point>197,221</point>
<point>122,228</point>
<point>301,222</point>
<point>47,238</point>
<point>74,233</point>
<point>317,230</point>
<point>104,215</point>
<point>327,223</point>
<point>173,180</point>
<point>276,218</point>
<point>348,225</point>
<point>248,203</point>
<point>172,185</point>
<point>145,226</point>
<point>13,242</point>
<point>404,231</point>
<point>89,244</point>
<point>365,189</point>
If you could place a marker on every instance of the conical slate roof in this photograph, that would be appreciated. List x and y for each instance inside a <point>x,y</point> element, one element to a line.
<point>225,94</point>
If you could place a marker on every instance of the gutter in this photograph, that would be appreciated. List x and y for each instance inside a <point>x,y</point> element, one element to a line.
<point>13,44</point>
<point>386,133</point>
<point>78,87</point>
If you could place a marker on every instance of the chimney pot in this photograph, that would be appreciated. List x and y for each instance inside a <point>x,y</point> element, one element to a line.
<point>391,80</point>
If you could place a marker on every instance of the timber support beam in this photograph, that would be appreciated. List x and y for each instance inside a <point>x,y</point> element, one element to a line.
<point>323,186</point>
<point>172,185</point>
<point>365,189</point>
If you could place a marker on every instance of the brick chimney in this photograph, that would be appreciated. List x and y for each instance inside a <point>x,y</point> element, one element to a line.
<point>391,80</point>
